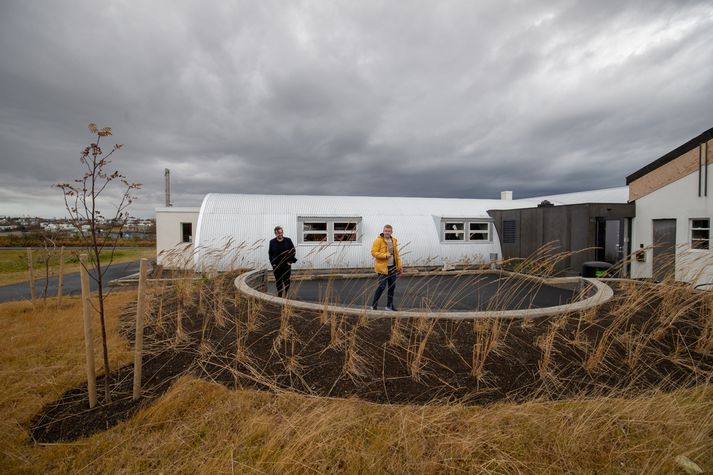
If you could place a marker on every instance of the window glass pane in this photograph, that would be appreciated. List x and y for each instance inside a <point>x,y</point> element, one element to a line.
<point>699,234</point>
<point>479,236</point>
<point>450,236</point>
<point>479,231</point>
<point>455,226</point>
<point>186,232</point>
<point>700,223</point>
<point>345,226</point>
<point>700,243</point>
<point>345,237</point>
<point>479,226</point>
<point>315,226</point>
<point>315,237</point>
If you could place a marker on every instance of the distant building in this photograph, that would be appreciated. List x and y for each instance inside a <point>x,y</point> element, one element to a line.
<point>662,219</point>
<point>233,230</point>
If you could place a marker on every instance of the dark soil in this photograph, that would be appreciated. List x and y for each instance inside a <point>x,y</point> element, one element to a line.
<point>432,361</point>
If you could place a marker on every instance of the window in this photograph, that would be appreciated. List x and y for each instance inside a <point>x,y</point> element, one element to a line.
<point>479,232</point>
<point>314,231</point>
<point>329,230</point>
<point>186,232</point>
<point>700,233</point>
<point>345,231</point>
<point>455,230</point>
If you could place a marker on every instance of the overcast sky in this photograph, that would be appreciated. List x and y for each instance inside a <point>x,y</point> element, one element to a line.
<point>393,98</point>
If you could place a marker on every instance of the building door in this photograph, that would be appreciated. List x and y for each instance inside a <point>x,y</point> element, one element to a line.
<point>664,263</point>
<point>610,240</point>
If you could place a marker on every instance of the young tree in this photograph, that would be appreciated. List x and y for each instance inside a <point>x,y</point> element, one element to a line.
<point>99,233</point>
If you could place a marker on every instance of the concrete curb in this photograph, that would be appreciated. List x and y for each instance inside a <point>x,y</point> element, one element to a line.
<point>603,293</point>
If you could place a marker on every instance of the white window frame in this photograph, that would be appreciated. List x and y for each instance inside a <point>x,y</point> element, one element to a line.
<point>304,233</point>
<point>453,227</point>
<point>465,231</point>
<point>330,231</point>
<point>690,234</point>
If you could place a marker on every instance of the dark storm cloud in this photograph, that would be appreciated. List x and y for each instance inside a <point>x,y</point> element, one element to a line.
<point>457,99</point>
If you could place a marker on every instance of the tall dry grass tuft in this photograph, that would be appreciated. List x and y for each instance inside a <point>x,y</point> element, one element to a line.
<point>705,340</point>
<point>354,364</point>
<point>423,327</point>
<point>546,345</point>
<point>635,343</point>
<point>486,339</point>
<point>327,299</point>
<point>285,331</point>
<point>335,330</point>
<point>292,364</point>
<point>396,336</point>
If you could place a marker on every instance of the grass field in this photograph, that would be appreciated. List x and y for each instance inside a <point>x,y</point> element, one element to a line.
<point>14,265</point>
<point>203,427</point>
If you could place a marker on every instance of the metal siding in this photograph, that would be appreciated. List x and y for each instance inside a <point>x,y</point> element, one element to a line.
<point>250,219</point>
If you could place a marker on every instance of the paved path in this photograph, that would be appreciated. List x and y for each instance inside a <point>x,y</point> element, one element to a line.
<point>452,292</point>
<point>70,283</point>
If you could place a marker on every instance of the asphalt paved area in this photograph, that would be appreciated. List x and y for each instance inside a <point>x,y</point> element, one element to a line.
<point>71,284</point>
<point>456,293</point>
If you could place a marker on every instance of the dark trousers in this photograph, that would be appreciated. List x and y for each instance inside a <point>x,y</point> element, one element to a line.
<point>282,279</point>
<point>385,279</point>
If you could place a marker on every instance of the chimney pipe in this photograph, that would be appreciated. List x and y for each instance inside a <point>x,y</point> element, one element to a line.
<point>167,176</point>
<point>506,195</point>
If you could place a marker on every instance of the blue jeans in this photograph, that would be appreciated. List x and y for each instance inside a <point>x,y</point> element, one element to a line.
<point>385,279</point>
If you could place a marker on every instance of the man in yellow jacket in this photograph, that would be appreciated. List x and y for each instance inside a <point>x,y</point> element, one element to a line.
<point>387,264</point>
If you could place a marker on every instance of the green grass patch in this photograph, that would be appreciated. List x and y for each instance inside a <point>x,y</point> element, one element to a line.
<point>14,266</point>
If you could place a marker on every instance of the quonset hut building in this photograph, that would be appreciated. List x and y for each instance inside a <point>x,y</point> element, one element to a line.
<point>233,230</point>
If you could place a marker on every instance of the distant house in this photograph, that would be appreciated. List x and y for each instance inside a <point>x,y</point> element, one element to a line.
<point>674,205</point>
<point>175,227</point>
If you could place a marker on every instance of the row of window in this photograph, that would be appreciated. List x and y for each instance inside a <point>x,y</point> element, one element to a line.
<point>452,230</point>
<point>336,230</point>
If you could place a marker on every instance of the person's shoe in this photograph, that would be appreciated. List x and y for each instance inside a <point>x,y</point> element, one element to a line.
<point>374,307</point>
<point>391,308</point>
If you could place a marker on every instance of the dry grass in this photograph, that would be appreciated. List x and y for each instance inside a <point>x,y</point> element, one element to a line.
<point>42,357</point>
<point>202,427</point>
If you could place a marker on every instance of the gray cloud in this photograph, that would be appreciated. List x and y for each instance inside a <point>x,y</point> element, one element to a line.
<point>457,99</point>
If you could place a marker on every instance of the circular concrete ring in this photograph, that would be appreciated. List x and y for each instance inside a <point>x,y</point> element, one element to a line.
<point>603,293</point>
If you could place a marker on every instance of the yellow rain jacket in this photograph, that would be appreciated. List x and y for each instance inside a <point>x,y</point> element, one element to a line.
<point>380,251</point>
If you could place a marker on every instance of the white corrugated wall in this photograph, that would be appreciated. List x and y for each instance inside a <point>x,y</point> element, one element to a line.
<point>234,229</point>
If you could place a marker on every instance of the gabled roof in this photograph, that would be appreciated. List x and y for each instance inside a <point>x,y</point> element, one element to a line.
<point>672,155</point>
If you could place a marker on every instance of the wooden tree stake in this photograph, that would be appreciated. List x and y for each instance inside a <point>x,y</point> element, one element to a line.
<point>59,276</point>
<point>88,332</point>
<point>31,270</point>
<point>139,338</point>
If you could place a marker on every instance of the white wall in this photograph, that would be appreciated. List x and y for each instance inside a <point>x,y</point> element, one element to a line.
<point>248,221</point>
<point>678,200</point>
<point>171,252</point>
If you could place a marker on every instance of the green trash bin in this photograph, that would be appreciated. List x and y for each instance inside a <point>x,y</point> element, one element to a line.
<point>596,269</point>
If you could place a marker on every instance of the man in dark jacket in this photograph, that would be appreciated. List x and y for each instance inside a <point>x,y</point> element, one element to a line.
<point>282,256</point>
